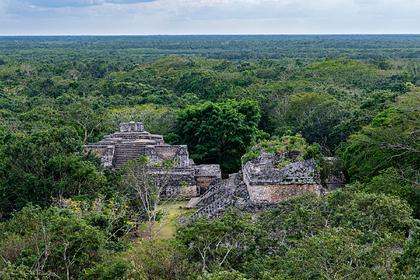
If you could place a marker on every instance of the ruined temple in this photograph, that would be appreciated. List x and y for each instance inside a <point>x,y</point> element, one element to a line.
<point>132,142</point>
<point>263,182</point>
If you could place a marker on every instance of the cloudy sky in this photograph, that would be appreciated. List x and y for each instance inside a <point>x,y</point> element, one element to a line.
<point>42,17</point>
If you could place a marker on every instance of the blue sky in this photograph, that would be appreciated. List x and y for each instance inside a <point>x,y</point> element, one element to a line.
<point>51,17</point>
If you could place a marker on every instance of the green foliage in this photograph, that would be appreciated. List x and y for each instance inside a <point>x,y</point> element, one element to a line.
<point>9,271</point>
<point>391,182</point>
<point>223,275</point>
<point>384,154</point>
<point>294,219</point>
<point>87,116</point>
<point>346,234</point>
<point>339,254</point>
<point>295,222</point>
<point>207,85</point>
<point>390,141</point>
<point>408,263</point>
<point>294,147</point>
<point>56,94</point>
<point>44,165</point>
<point>317,117</point>
<point>370,213</point>
<point>374,215</point>
<point>225,243</point>
<point>157,119</point>
<point>158,260</point>
<point>218,132</point>
<point>51,241</point>
<point>346,73</point>
<point>112,216</point>
<point>283,145</point>
<point>113,269</point>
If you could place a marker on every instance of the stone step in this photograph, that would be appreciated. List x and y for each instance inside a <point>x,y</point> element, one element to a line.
<point>128,154</point>
<point>213,209</point>
<point>135,136</point>
<point>131,153</point>
<point>192,203</point>
<point>132,144</point>
<point>219,190</point>
<point>215,201</point>
<point>129,149</point>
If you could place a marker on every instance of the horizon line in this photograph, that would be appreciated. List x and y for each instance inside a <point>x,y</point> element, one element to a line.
<point>209,34</point>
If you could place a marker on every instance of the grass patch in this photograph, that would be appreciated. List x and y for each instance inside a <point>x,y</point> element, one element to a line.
<point>172,212</point>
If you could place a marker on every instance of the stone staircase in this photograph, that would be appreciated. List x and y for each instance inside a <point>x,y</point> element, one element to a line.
<point>217,190</point>
<point>213,209</point>
<point>218,198</point>
<point>137,136</point>
<point>124,152</point>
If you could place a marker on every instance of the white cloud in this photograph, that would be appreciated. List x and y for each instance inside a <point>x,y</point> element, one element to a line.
<point>209,16</point>
<point>78,3</point>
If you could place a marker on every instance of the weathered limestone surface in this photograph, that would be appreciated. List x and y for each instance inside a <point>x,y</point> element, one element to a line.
<point>263,171</point>
<point>104,152</point>
<point>219,197</point>
<point>206,174</point>
<point>160,154</point>
<point>266,183</point>
<point>277,193</point>
<point>132,127</point>
<point>261,184</point>
<point>184,178</point>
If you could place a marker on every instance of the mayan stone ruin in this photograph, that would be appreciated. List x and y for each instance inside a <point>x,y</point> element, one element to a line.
<point>266,183</point>
<point>185,178</point>
<point>261,182</point>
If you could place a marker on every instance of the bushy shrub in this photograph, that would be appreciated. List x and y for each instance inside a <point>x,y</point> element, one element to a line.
<point>51,241</point>
<point>223,243</point>
<point>158,260</point>
<point>223,275</point>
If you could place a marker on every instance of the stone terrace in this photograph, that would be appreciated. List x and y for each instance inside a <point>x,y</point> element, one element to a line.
<point>133,142</point>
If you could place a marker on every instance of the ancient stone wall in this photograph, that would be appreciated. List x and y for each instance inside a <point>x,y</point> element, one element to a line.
<point>207,174</point>
<point>104,152</point>
<point>277,193</point>
<point>261,184</point>
<point>264,171</point>
<point>218,198</point>
<point>203,183</point>
<point>271,178</point>
<point>132,127</point>
<point>175,155</point>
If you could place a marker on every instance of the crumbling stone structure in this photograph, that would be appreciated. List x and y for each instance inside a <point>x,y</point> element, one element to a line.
<point>184,178</point>
<point>268,184</point>
<point>262,183</point>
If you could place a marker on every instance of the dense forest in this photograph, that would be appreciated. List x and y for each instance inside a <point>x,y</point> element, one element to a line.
<point>357,98</point>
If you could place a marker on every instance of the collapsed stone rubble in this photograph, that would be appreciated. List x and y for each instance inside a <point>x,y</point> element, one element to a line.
<point>262,182</point>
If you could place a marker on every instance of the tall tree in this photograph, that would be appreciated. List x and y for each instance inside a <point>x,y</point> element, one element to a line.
<point>391,140</point>
<point>37,167</point>
<point>219,132</point>
<point>316,117</point>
